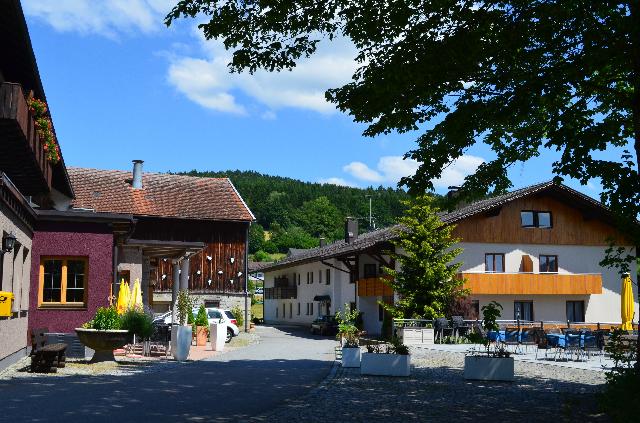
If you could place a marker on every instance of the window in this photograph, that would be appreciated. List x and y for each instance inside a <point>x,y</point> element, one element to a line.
<point>277,308</point>
<point>290,310</point>
<point>63,281</point>
<point>380,313</point>
<point>548,264</point>
<point>319,276</point>
<point>575,311</point>
<point>474,311</point>
<point>283,311</point>
<point>298,278</point>
<point>307,278</point>
<point>327,279</point>
<point>298,309</point>
<point>370,270</point>
<point>494,262</point>
<point>523,310</point>
<point>307,313</point>
<point>311,309</point>
<point>536,219</point>
<point>311,276</point>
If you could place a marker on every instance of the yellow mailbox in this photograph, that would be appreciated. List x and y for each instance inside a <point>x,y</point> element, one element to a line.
<point>5,303</point>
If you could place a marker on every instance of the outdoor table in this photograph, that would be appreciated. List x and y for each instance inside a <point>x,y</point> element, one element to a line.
<point>496,336</point>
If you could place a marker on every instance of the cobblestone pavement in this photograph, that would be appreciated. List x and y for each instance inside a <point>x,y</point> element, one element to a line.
<point>437,392</point>
<point>230,387</point>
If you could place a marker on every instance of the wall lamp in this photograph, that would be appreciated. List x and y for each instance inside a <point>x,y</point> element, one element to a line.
<point>8,242</point>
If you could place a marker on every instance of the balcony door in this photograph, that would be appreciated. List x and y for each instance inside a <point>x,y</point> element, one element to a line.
<point>575,311</point>
<point>523,310</point>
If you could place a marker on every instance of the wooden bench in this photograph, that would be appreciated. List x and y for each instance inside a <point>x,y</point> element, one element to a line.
<point>46,357</point>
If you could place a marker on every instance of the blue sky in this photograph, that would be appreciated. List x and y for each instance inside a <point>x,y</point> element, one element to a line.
<point>122,86</point>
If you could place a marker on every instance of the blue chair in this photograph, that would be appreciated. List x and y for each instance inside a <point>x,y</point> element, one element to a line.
<point>572,344</point>
<point>512,337</point>
<point>591,344</point>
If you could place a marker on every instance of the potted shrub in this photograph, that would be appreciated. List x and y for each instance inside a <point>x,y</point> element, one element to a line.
<point>138,323</point>
<point>493,362</point>
<point>202,327</point>
<point>386,360</point>
<point>181,333</point>
<point>349,336</point>
<point>103,334</point>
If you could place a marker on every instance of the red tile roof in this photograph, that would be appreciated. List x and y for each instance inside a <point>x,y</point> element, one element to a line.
<point>162,195</point>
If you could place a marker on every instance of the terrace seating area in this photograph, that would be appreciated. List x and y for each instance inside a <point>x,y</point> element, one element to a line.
<point>580,345</point>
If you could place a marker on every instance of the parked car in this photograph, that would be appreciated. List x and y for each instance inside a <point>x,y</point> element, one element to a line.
<point>325,325</point>
<point>213,315</point>
<point>259,290</point>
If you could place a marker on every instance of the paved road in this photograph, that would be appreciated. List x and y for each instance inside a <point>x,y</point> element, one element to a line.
<point>231,387</point>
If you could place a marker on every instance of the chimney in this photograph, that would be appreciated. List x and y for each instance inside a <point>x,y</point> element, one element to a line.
<point>323,242</point>
<point>350,230</point>
<point>137,174</point>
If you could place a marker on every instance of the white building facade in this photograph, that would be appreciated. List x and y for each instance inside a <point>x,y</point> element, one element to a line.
<point>536,251</point>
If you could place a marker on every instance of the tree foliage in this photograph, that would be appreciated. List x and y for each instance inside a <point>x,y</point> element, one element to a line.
<point>519,76</point>
<point>283,206</point>
<point>427,281</point>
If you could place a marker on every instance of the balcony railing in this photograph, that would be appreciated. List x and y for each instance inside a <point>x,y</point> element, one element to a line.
<point>533,283</point>
<point>281,293</point>
<point>22,155</point>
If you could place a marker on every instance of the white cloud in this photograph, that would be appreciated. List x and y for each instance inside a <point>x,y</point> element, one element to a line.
<point>455,173</point>
<point>337,181</point>
<point>361,171</point>
<point>207,81</point>
<point>107,18</point>
<point>390,169</point>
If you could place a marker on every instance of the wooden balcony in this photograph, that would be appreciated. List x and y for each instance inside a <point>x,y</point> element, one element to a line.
<point>22,155</point>
<point>373,287</point>
<point>533,283</point>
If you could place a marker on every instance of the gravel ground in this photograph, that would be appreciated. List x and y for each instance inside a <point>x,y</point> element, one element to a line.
<point>124,366</point>
<point>436,391</point>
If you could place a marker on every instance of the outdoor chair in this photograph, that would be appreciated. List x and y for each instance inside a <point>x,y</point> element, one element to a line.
<point>512,338</point>
<point>529,337</point>
<point>543,344</point>
<point>572,344</point>
<point>46,357</point>
<point>591,344</point>
<point>460,327</point>
<point>442,328</point>
<point>160,338</point>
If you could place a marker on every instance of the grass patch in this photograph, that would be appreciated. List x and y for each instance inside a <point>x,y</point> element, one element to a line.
<point>256,311</point>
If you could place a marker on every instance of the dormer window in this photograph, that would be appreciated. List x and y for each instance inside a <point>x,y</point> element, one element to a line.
<point>536,219</point>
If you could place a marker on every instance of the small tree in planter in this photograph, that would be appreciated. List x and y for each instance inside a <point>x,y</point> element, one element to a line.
<point>494,362</point>
<point>202,326</point>
<point>181,334</point>
<point>391,359</point>
<point>349,336</point>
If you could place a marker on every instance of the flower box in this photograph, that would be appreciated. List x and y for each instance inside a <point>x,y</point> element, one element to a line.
<point>385,364</point>
<point>416,336</point>
<point>350,357</point>
<point>477,367</point>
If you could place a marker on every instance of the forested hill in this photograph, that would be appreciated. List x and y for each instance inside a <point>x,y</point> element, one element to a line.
<point>285,205</point>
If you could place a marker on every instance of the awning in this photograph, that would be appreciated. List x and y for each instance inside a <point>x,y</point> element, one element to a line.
<point>322,298</point>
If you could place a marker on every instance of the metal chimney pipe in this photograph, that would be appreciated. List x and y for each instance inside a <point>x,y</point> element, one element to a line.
<point>137,174</point>
<point>323,241</point>
<point>350,229</point>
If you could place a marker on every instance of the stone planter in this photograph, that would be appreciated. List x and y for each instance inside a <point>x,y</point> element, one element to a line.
<point>218,333</point>
<point>416,336</point>
<point>201,336</point>
<point>103,342</point>
<point>385,364</point>
<point>183,335</point>
<point>477,367</point>
<point>350,357</point>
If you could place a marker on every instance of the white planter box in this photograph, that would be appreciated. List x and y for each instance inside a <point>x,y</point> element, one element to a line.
<point>350,357</point>
<point>218,336</point>
<point>488,368</point>
<point>182,344</point>
<point>385,364</point>
<point>416,336</point>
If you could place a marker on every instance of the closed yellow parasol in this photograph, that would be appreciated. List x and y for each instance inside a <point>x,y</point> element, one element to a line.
<point>136,296</point>
<point>626,310</point>
<point>123,297</point>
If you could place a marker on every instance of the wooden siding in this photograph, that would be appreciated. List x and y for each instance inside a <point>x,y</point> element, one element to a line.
<point>373,287</point>
<point>224,240</point>
<point>22,154</point>
<point>570,225</point>
<point>533,283</point>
